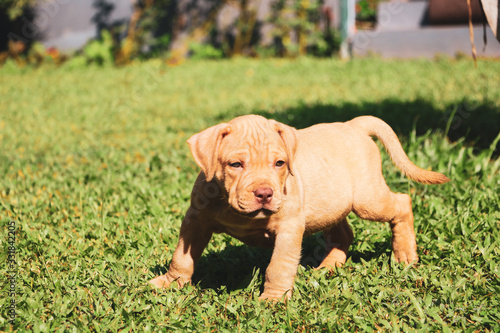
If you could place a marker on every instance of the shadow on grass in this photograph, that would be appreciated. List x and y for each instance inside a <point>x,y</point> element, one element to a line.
<point>477,122</point>
<point>233,268</point>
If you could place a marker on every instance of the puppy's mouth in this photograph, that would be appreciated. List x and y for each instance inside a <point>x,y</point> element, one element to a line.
<point>258,213</point>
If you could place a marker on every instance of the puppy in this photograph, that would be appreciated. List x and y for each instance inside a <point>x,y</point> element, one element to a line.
<point>268,184</point>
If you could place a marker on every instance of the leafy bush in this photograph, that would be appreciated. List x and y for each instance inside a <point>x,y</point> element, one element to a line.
<point>297,28</point>
<point>100,51</point>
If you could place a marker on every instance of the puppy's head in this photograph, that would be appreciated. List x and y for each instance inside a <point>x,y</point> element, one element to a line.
<point>250,157</point>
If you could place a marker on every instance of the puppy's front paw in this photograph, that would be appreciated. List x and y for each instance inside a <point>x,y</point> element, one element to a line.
<point>166,280</point>
<point>275,296</point>
<point>406,257</point>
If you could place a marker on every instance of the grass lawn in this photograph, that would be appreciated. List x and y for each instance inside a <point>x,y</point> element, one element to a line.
<point>96,174</point>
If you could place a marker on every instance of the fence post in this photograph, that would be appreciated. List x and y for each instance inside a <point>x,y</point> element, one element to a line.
<point>347,27</point>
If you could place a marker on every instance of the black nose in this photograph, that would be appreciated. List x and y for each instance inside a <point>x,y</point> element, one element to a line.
<point>263,195</point>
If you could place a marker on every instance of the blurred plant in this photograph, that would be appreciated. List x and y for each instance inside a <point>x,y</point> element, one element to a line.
<point>37,54</point>
<point>325,41</point>
<point>205,51</point>
<point>13,16</point>
<point>15,8</point>
<point>14,51</point>
<point>199,34</point>
<point>154,27</point>
<point>100,51</point>
<point>297,28</point>
<point>245,28</point>
<point>366,10</point>
<point>137,38</point>
<point>141,38</point>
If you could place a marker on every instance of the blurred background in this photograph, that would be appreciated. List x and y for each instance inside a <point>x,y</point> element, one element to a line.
<point>119,31</point>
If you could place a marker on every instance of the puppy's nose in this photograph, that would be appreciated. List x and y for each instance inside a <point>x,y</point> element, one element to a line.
<point>263,194</point>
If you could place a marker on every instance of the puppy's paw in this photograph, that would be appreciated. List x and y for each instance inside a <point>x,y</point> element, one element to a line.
<point>331,265</point>
<point>161,281</point>
<point>406,257</point>
<point>166,280</point>
<point>336,258</point>
<point>275,296</point>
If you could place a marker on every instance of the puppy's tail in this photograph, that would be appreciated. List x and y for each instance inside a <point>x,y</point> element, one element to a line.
<point>373,126</point>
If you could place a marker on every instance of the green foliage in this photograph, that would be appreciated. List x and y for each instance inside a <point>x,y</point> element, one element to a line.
<point>15,8</point>
<point>100,51</point>
<point>324,44</point>
<point>205,51</point>
<point>158,46</point>
<point>37,54</point>
<point>97,175</point>
<point>297,29</point>
<point>367,10</point>
<point>151,40</point>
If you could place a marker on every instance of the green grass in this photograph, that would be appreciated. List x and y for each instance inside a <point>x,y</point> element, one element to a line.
<point>95,171</point>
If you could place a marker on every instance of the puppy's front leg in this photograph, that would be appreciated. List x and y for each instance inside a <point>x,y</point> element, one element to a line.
<point>194,237</point>
<point>280,273</point>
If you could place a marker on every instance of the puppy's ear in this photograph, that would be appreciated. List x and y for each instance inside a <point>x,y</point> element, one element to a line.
<point>204,147</point>
<point>289,136</point>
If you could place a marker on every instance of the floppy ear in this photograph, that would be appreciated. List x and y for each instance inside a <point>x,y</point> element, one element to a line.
<point>289,136</point>
<point>205,145</point>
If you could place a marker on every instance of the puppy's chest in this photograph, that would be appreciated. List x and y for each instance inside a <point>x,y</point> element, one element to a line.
<point>255,233</point>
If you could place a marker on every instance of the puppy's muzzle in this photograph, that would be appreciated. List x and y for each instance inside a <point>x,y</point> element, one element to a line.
<point>263,195</point>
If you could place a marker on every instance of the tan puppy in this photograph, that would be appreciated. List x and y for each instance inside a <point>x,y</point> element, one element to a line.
<point>268,184</point>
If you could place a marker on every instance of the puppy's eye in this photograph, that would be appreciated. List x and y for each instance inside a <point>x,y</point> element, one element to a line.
<point>235,165</point>
<point>280,163</point>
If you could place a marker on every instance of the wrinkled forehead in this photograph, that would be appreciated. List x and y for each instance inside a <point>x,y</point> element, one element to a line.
<point>254,137</point>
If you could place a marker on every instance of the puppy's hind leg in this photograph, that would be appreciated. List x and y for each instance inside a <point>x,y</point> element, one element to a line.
<point>404,244</point>
<point>338,239</point>
<point>396,209</point>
